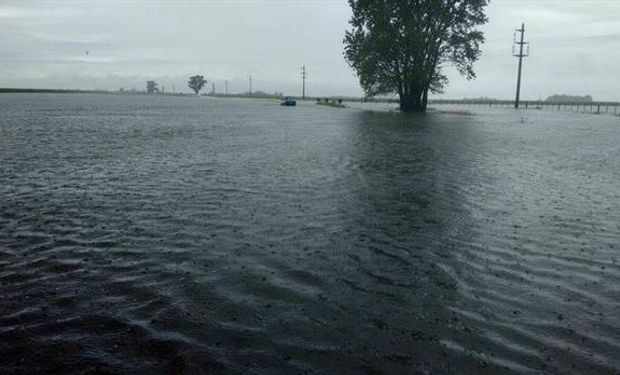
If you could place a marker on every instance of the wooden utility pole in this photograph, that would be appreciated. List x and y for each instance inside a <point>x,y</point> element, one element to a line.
<point>304,75</point>
<point>521,55</point>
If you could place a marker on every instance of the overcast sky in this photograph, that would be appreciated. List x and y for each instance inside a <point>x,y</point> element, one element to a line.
<point>575,46</point>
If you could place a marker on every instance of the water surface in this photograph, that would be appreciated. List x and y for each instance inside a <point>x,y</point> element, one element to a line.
<point>163,235</point>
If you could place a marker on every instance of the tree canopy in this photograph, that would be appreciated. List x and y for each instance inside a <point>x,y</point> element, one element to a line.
<point>196,83</point>
<point>401,46</point>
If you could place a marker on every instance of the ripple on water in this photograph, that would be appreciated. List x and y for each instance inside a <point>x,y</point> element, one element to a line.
<point>170,235</point>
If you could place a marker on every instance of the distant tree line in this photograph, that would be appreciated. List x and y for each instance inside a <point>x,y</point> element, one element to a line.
<point>262,94</point>
<point>196,83</point>
<point>563,98</point>
<point>482,99</point>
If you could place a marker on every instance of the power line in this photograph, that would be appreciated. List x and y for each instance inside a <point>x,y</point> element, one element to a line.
<point>573,25</point>
<point>558,27</point>
<point>521,55</point>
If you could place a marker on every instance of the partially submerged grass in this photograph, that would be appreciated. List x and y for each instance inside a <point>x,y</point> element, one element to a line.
<point>461,112</point>
<point>332,104</point>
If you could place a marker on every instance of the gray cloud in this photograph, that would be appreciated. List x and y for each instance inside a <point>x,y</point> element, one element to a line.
<point>44,44</point>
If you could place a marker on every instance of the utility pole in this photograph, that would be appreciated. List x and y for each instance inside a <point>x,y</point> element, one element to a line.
<point>226,85</point>
<point>250,85</point>
<point>304,75</point>
<point>521,55</point>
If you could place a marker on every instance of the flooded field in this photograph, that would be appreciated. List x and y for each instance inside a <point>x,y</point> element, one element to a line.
<point>190,235</point>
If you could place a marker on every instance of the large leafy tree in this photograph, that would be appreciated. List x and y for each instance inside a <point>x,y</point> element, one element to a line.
<point>401,46</point>
<point>196,83</point>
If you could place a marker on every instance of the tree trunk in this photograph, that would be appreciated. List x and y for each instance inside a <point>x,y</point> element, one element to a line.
<point>413,99</point>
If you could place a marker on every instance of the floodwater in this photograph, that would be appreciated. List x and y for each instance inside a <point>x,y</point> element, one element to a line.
<point>189,235</point>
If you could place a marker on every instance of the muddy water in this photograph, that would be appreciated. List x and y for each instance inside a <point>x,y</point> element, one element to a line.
<point>169,235</point>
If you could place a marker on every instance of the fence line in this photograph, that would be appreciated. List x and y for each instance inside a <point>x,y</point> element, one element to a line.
<point>587,107</point>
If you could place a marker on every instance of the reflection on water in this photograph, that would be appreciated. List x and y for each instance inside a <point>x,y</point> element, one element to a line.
<point>189,235</point>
